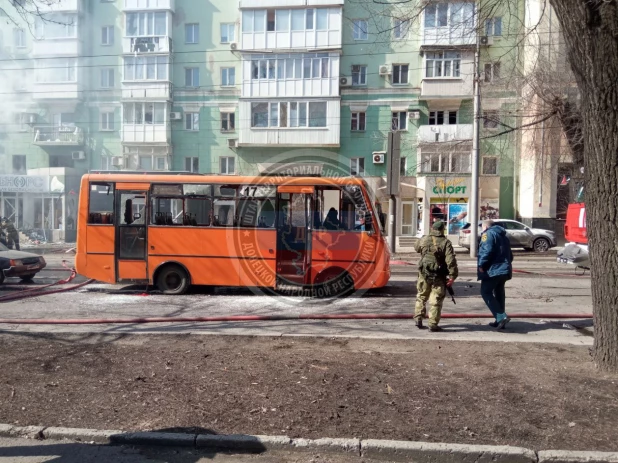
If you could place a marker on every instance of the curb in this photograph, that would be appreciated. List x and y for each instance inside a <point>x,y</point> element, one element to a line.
<point>397,451</point>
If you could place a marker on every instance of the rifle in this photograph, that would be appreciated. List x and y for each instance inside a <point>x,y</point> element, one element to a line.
<point>451,293</point>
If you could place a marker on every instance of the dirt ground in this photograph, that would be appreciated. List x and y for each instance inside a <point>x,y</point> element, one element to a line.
<point>536,396</point>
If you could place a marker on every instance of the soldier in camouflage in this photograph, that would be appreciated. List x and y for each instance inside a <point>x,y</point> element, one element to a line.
<point>437,269</point>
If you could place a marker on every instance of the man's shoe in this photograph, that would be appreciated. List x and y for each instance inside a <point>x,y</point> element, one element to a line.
<point>419,323</point>
<point>503,323</point>
<point>493,324</point>
<point>434,328</point>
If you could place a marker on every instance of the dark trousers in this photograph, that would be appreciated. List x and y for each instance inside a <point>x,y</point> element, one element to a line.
<point>492,292</point>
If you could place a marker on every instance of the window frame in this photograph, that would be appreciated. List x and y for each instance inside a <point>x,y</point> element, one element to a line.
<point>495,160</point>
<point>446,116</point>
<point>226,82</point>
<point>302,113</point>
<point>191,121</point>
<point>401,29</point>
<point>107,72</point>
<point>192,71</point>
<point>227,26</point>
<point>191,160</point>
<point>491,119</point>
<point>194,28</point>
<point>134,63</point>
<point>149,15</point>
<point>226,159</point>
<point>489,72</point>
<point>357,166</point>
<point>399,74</point>
<point>105,120</point>
<point>357,29</point>
<point>107,36</point>
<point>490,26</point>
<point>454,65</point>
<point>230,118</point>
<point>446,161</point>
<point>360,118</point>
<point>399,118</point>
<point>19,37</point>
<point>362,72</point>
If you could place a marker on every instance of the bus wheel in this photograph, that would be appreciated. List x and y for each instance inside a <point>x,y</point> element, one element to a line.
<point>173,279</point>
<point>333,283</point>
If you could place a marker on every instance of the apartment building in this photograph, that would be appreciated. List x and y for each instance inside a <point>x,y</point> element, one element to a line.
<point>254,87</point>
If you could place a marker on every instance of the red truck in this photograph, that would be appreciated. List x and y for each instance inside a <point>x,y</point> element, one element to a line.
<point>576,250</point>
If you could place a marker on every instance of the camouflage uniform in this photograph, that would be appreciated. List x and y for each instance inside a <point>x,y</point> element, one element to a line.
<point>12,236</point>
<point>432,286</point>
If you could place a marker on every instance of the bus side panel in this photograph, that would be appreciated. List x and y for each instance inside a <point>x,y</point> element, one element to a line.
<point>208,254</point>
<point>257,257</point>
<point>100,239</point>
<point>100,267</point>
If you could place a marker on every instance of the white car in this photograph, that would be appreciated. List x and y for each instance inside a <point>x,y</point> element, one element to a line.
<point>520,236</point>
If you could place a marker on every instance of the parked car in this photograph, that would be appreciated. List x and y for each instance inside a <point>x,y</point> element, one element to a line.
<point>520,236</point>
<point>24,265</point>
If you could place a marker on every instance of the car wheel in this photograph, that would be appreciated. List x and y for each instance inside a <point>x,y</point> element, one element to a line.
<point>541,245</point>
<point>333,284</point>
<point>172,279</point>
<point>28,277</point>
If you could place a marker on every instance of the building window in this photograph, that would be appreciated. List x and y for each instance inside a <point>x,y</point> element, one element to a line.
<point>144,113</point>
<point>491,119</point>
<point>107,35</point>
<point>493,27</point>
<point>492,72</point>
<point>357,166</point>
<point>289,114</point>
<point>19,38</point>
<point>359,74</point>
<point>400,74</point>
<point>227,122</point>
<point>146,68</point>
<point>403,166</point>
<point>107,77</point>
<point>310,66</point>
<point>455,16</point>
<point>401,28</point>
<point>21,120</point>
<point>442,117</point>
<point>490,165</point>
<point>56,26</point>
<point>228,31</point>
<point>144,162</point>
<point>56,70</point>
<point>19,164</point>
<point>192,33</point>
<point>358,122</point>
<point>107,121</point>
<point>192,77</point>
<point>445,162</point>
<point>399,120</point>
<point>228,77</point>
<point>286,20</point>
<point>443,64</point>
<point>146,24</point>
<point>192,164</point>
<point>192,121</point>
<point>226,165</point>
<point>160,163</point>
<point>359,29</point>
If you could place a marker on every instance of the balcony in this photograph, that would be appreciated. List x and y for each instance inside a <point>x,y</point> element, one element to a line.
<point>56,47</point>
<point>146,5</point>
<point>51,135</point>
<point>287,3</point>
<point>58,5</point>
<point>444,133</point>
<point>146,45</point>
<point>160,134</point>
<point>57,91</point>
<point>449,36</point>
<point>146,90</point>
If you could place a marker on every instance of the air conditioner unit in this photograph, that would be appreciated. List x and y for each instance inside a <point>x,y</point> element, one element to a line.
<point>385,70</point>
<point>233,46</point>
<point>414,115</point>
<point>176,116</point>
<point>232,142</point>
<point>78,155</point>
<point>345,81</point>
<point>378,158</point>
<point>117,161</point>
<point>486,40</point>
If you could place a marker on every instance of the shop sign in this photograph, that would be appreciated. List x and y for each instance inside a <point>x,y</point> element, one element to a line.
<point>456,186</point>
<point>24,183</point>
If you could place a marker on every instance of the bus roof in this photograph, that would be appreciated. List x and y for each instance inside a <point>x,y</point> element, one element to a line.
<point>222,179</point>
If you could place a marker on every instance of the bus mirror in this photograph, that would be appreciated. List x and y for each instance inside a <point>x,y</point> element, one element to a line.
<point>128,212</point>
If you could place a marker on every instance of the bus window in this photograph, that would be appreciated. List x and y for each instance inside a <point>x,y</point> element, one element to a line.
<point>167,211</point>
<point>197,211</point>
<point>224,206</point>
<point>101,205</point>
<point>356,215</point>
<point>256,206</point>
<point>197,189</point>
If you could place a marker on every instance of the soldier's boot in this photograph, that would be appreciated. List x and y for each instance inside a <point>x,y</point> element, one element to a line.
<point>435,328</point>
<point>419,323</point>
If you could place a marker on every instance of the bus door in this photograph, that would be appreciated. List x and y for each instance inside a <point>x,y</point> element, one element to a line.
<point>131,233</point>
<point>294,234</point>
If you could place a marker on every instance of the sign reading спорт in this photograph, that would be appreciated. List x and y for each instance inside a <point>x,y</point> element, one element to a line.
<point>24,183</point>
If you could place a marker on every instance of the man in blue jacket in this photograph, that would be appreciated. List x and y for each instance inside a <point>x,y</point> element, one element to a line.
<point>495,268</point>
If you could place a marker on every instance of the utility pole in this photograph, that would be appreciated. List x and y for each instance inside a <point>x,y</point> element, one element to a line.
<point>474,197</point>
<point>393,153</point>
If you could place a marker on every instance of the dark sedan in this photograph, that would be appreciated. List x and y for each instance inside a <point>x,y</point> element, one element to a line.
<point>24,265</point>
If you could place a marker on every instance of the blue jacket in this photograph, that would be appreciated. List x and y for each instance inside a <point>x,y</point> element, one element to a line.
<point>495,256</point>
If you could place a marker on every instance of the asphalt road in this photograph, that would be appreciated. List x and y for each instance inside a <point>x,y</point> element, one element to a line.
<point>551,289</point>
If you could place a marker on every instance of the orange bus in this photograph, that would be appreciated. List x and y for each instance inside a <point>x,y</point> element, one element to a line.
<point>173,230</point>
